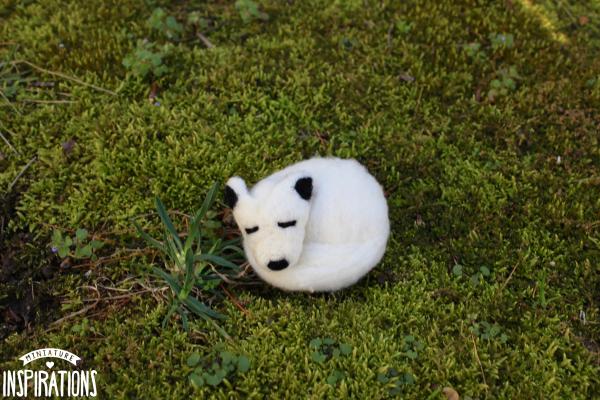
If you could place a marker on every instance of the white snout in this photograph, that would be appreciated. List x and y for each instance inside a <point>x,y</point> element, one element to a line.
<point>272,248</point>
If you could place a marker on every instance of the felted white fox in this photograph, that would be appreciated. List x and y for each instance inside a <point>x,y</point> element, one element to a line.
<point>316,226</point>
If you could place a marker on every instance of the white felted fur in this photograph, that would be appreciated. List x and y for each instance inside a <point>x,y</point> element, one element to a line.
<point>340,233</point>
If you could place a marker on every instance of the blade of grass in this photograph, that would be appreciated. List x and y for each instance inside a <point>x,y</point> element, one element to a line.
<point>218,260</point>
<point>164,216</point>
<point>195,225</point>
<point>208,200</point>
<point>172,309</point>
<point>193,233</point>
<point>173,252</point>
<point>201,309</point>
<point>215,246</point>
<point>235,249</point>
<point>220,330</point>
<point>232,242</point>
<point>188,283</point>
<point>171,281</point>
<point>184,321</point>
<point>193,304</point>
<point>153,242</point>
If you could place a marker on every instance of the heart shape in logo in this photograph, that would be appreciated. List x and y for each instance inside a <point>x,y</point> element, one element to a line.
<point>49,364</point>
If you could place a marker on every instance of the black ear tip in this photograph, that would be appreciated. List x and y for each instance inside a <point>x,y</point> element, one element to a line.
<point>230,197</point>
<point>304,187</point>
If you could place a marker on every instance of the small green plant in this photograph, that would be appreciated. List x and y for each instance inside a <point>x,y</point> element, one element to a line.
<point>348,43</point>
<point>78,246</point>
<point>403,27</point>
<point>328,349</point>
<point>457,270</point>
<point>474,51</point>
<point>83,328</point>
<point>501,41</point>
<point>412,346</point>
<point>485,330</point>
<point>191,265</point>
<point>217,367</point>
<point>482,273</point>
<point>325,349</point>
<point>249,11</point>
<point>165,24</point>
<point>335,377</point>
<point>504,83</point>
<point>147,59</point>
<point>395,380</point>
<point>196,19</point>
<point>590,83</point>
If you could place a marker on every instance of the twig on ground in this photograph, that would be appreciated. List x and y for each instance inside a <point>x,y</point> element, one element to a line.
<point>509,276</point>
<point>126,296</point>
<point>8,143</point>
<point>114,258</point>
<point>115,289</point>
<point>9,103</point>
<point>418,101</point>
<point>47,101</point>
<point>120,283</point>
<point>177,212</point>
<point>205,40</point>
<point>64,76</point>
<point>479,361</point>
<point>389,36</point>
<point>222,276</point>
<point>100,299</point>
<point>154,294</point>
<point>245,270</point>
<point>84,310</point>
<point>101,235</point>
<point>20,174</point>
<point>235,301</point>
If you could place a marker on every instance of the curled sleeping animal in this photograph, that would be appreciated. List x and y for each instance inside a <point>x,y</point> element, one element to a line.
<point>316,226</point>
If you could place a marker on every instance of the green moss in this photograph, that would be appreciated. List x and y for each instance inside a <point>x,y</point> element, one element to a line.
<point>394,84</point>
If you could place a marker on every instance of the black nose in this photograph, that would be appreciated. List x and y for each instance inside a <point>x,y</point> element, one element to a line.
<point>278,265</point>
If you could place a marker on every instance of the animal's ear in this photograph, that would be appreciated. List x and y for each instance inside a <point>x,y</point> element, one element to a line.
<point>234,189</point>
<point>230,197</point>
<point>304,187</point>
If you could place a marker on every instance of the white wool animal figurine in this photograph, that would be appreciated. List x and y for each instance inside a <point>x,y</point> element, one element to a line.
<point>316,226</point>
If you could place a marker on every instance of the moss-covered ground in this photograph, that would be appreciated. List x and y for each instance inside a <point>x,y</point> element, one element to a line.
<point>481,119</point>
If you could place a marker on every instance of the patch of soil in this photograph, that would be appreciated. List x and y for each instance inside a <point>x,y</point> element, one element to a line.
<point>26,274</point>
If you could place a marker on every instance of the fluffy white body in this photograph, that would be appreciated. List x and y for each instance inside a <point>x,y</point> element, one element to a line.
<point>318,225</point>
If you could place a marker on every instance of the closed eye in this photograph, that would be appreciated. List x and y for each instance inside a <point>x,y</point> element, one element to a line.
<point>286,224</point>
<point>251,230</point>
